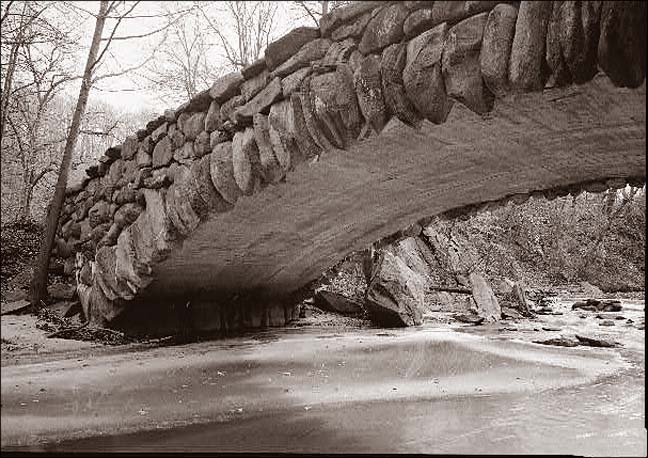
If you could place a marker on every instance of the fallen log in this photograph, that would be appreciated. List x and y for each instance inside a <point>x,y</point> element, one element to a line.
<point>450,289</point>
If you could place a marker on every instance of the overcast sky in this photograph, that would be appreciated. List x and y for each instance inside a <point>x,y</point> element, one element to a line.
<point>126,92</point>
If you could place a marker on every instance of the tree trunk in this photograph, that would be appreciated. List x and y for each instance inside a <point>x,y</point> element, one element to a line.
<point>26,206</point>
<point>38,287</point>
<point>8,82</point>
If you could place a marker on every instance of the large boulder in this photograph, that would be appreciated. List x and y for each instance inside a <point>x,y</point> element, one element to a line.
<point>392,65</point>
<point>260,103</point>
<point>129,148</point>
<point>282,49</point>
<point>591,290</point>
<point>163,153</point>
<point>312,124</point>
<point>354,29</point>
<point>127,214</point>
<point>160,132</point>
<point>146,145</point>
<point>281,129</point>
<point>553,54</point>
<point>228,108</point>
<point>422,76</point>
<point>99,213</point>
<point>143,159</point>
<point>335,302</point>
<point>101,309</point>
<point>184,154</point>
<point>112,286</point>
<point>246,163</point>
<point>496,48</point>
<point>335,106</point>
<point>310,52</point>
<point>339,52</point>
<point>199,102</point>
<point>269,165</point>
<point>184,206</point>
<point>221,170</point>
<point>456,11</point>
<point>253,86</point>
<point>194,125</point>
<point>461,68</point>
<point>413,252</point>
<point>368,85</point>
<point>201,144</point>
<point>212,119</point>
<point>305,143</point>
<point>201,174</point>
<point>580,38</point>
<point>346,14</point>
<point>292,82</point>
<point>226,87</point>
<point>418,22</point>
<point>527,71</point>
<point>622,44</point>
<point>146,241</point>
<point>384,29</point>
<point>487,305</point>
<point>253,69</point>
<point>395,296</point>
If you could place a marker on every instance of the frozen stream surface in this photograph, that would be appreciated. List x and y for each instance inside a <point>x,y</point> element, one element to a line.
<point>437,388</point>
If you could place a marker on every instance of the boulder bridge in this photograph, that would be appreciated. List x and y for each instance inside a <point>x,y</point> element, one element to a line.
<point>385,115</point>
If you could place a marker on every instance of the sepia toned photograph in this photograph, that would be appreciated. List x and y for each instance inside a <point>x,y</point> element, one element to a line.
<point>323,227</point>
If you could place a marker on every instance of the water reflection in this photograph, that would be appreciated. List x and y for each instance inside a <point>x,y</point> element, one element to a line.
<point>603,419</point>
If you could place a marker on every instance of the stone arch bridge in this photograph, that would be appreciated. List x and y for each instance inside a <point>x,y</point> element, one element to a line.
<point>388,113</point>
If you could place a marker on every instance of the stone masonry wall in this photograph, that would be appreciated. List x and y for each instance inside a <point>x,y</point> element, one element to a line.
<point>321,89</point>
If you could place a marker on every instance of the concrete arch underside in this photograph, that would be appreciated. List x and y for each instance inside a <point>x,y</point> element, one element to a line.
<point>276,241</point>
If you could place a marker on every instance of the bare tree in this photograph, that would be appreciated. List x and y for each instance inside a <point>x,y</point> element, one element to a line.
<point>251,31</point>
<point>29,41</point>
<point>117,11</point>
<point>183,65</point>
<point>316,9</point>
<point>39,56</point>
<point>38,287</point>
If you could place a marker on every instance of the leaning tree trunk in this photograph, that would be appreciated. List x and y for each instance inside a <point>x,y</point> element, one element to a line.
<point>8,82</point>
<point>38,287</point>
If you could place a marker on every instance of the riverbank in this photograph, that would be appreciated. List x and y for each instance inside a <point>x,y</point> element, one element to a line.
<point>302,374</point>
<point>24,336</point>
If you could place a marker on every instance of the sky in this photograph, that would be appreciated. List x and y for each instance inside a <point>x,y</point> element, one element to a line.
<point>125,92</point>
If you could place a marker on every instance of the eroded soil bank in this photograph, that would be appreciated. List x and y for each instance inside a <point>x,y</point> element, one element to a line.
<point>438,388</point>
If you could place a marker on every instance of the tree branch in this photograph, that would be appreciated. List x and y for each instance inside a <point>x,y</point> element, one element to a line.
<point>123,71</point>
<point>6,11</point>
<point>148,34</point>
<point>112,34</point>
<point>308,10</point>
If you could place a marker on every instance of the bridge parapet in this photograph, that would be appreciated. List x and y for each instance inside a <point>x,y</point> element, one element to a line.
<point>319,91</point>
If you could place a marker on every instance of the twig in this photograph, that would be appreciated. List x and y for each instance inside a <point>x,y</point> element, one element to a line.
<point>64,330</point>
<point>121,334</point>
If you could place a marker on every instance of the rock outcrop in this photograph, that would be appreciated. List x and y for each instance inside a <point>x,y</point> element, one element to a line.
<point>335,302</point>
<point>395,294</point>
